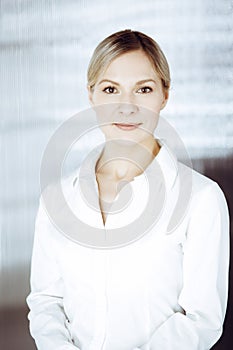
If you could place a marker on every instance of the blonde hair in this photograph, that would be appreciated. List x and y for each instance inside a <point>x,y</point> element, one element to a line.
<point>125,41</point>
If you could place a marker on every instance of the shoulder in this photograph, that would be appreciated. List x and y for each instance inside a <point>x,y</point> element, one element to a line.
<point>58,191</point>
<point>206,195</point>
<point>199,182</point>
<point>54,201</point>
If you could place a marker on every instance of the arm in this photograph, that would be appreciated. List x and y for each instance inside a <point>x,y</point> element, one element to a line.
<point>47,317</point>
<point>205,279</point>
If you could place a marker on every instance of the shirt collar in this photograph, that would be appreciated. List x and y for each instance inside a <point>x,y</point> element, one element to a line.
<point>165,159</point>
<point>168,164</point>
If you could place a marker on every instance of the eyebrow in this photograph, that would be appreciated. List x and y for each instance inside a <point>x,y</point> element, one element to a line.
<point>138,82</point>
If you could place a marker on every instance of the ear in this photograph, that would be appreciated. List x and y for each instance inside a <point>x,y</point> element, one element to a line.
<point>90,94</point>
<point>166,96</point>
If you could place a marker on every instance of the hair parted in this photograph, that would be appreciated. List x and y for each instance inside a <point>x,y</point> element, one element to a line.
<point>122,42</point>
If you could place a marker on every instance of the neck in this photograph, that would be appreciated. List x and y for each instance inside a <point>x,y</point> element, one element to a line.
<point>127,159</point>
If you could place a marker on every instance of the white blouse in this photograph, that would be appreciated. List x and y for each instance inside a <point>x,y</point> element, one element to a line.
<point>166,290</point>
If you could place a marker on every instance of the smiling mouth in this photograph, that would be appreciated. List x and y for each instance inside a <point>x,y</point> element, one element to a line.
<point>127,126</point>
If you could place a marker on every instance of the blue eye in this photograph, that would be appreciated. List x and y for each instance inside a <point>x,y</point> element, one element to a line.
<point>110,90</point>
<point>145,90</point>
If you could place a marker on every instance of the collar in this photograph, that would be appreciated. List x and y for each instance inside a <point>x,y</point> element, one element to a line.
<point>165,159</point>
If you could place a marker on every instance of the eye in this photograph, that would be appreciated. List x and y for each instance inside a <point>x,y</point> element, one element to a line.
<point>110,90</point>
<point>145,90</point>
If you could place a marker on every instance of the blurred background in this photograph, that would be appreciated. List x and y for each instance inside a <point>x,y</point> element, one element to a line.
<point>45,46</point>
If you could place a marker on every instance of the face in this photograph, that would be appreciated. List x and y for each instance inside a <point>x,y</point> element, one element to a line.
<point>128,97</point>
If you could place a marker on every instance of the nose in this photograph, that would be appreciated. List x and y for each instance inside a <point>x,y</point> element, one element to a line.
<point>127,109</point>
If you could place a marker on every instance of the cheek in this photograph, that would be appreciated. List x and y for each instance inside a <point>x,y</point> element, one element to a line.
<point>155,103</point>
<point>95,97</point>
<point>107,130</point>
<point>151,103</point>
<point>105,113</point>
<point>151,122</point>
<point>99,97</point>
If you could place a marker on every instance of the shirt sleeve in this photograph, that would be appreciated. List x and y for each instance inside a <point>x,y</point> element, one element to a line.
<point>205,278</point>
<point>48,321</point>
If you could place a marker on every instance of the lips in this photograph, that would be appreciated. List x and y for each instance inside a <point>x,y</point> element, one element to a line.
<point>127,126</point>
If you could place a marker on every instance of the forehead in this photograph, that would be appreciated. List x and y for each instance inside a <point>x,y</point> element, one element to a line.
<point>132,64</point>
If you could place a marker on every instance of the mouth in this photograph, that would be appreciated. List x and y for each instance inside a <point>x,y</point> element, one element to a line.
<point>127,126</point>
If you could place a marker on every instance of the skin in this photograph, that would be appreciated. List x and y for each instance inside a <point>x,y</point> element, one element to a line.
<point>128,97</point>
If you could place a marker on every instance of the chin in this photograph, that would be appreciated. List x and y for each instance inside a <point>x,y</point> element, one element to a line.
<point>127,137</point>
<point>129,140</point>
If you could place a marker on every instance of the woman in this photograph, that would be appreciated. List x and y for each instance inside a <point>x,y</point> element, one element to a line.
<point>167,289</point>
